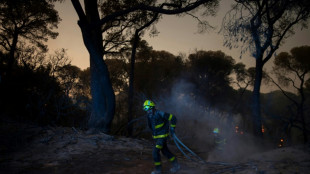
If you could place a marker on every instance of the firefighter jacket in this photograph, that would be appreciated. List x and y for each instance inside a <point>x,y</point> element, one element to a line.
<point>159,122</point>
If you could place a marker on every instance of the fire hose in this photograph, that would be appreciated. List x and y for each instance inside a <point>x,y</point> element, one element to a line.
<point>178,142</point>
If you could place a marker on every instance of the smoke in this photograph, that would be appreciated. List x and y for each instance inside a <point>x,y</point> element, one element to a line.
<point>196,121</point>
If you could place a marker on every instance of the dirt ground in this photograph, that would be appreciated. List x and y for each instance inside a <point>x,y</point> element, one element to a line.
<point>35,150</point>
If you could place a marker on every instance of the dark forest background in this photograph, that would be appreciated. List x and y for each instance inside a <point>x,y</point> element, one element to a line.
<point>46,89</point>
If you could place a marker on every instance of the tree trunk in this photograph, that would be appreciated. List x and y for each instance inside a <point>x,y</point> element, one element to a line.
<point>103,97</point>
<point>131,80</point>
<point>132,70</point>
<point>301,111</point>
<point>12,54</point>
<point>256,108</point>
<point>102,92</point>
<point>303,122</point>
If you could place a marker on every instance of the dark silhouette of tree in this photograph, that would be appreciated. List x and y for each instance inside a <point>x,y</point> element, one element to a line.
<point>44,89</point>
<point>161,67</point>
<point>307,84</point>
<point>277,116</point>
<point>136,39</point>
<point>32,21</point>
<point>118,74</point>
<point>260,26</point>
<point>103,98</point>
<point>155,72</point>
<point>84,83</point>
<point>210,72</point>
<point>68,76</point>
<point>244,77</point>
<point>294,70</point>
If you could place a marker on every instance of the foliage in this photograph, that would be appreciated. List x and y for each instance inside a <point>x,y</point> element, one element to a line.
<point>277,115</point>
<point>244,77</point>
<point>261,26</point>
<point>31,20</point>
<point>42,94</point>
<point>121,29</point>
<point>154,76</point>
<point>99,26</point>
<point>294,71</point>
<point>118,74</point>
<point>296,63</point>
<point>210,71</point>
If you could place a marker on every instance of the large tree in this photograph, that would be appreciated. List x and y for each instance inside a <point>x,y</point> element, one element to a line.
<point>294,70</point>
<point>210,71</point>
<point>136,39</point>
<point>92,28</point>
<point>29,20</point>
<point>261,26</point>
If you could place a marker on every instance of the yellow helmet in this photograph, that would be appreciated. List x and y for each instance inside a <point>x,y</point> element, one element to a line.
<point>216,130</point>
<point>148,104</point>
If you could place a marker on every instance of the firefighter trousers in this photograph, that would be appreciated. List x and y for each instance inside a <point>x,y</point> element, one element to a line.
<point>161,145</point>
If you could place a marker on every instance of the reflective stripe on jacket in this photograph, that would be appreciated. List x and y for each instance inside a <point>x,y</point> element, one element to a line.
<point>159,123</point>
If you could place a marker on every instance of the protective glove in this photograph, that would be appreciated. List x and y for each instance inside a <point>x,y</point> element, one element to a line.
<point>172,132</point>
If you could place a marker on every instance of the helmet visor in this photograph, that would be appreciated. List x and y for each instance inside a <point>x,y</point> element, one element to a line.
<point>147,107</point>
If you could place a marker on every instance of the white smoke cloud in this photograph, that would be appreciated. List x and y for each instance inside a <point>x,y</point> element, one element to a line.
<point>196,121</point>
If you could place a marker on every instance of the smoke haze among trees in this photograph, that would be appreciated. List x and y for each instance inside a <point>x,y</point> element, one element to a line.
<point>46,89</point>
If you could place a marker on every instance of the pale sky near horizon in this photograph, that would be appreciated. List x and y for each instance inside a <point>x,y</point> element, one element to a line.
<point>177,34</point>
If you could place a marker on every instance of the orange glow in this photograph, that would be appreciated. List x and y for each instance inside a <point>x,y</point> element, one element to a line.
<point>263,129</point>
<point>281,144</point>
<point>237,129</point>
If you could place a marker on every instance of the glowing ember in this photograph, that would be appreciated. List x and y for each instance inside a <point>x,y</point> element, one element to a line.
<point>237,129</point>
<point>263,129</point>
<point>281,144</point>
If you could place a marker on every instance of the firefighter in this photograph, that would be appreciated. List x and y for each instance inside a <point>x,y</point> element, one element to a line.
<point>160,123</point>
<point>219,141</point>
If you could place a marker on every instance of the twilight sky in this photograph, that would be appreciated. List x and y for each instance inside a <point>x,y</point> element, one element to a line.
<point>177,34</point>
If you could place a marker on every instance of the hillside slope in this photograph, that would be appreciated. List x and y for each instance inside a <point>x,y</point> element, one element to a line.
<point>31,149</point>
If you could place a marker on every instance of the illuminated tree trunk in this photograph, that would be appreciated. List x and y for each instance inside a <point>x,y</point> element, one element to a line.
<point>256,105</point>
<point>90,24</point>
<point>103,97</point>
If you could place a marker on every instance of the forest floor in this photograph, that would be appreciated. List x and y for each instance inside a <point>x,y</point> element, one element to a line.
<point>37,150</point>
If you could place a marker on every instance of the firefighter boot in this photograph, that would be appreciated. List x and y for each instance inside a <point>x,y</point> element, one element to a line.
<point>157,170</point>
<point>175,166</point>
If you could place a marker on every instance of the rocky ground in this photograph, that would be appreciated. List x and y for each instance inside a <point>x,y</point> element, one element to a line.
<point>30,149</point>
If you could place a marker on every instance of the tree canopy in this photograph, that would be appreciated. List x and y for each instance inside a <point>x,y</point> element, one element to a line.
<point>261,26</point>
<point>294,70</point>
<point>32,21</point>
<point>125,16</point>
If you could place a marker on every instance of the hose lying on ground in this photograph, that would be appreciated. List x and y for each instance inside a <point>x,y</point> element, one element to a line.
<point>177,141</point>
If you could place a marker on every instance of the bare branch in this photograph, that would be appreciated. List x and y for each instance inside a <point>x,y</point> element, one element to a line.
<point>284,93</point>
<point>154,9</point>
